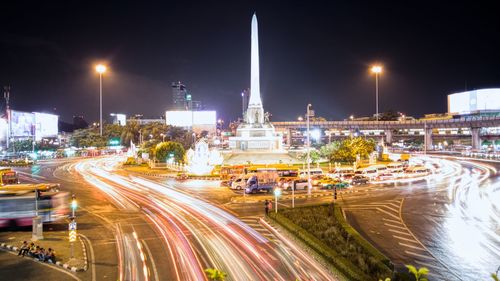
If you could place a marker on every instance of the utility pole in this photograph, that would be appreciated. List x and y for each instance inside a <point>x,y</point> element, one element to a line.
<point>309,186</point>
<point>6,95</point>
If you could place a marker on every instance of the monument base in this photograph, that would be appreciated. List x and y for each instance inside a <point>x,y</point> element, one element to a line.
<point>259,158</point>
<point>256,137</point>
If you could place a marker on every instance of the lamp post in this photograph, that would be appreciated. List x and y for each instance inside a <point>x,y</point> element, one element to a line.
<point>277,193</point>
<point>377,69</point>
<point>309,186</point>
<point>100,68</point>
<point>37,223</point>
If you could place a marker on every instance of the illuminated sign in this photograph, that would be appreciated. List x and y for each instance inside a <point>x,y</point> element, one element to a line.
<point>46,125</point>
<point>21,124</point>
<point>190,118</point>
<point>478,100</point>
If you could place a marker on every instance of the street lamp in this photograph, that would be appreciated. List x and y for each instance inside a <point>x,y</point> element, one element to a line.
<point>309,187</point>
<point>100,68</point>
<point>277,193</point>
<point>377,69</point>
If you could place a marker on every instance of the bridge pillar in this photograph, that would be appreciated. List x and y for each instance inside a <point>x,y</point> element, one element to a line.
<point>388,136</point>
<point>476,138</point>
<point>428,138</point>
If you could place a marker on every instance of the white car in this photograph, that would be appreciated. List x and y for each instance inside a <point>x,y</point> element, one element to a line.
<point>239,183</point>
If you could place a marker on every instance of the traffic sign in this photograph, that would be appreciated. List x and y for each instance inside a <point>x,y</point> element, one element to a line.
<point>72,235</point>
<point>72,225</point>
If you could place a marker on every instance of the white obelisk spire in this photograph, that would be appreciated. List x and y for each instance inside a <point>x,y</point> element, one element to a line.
<point>255,112</point>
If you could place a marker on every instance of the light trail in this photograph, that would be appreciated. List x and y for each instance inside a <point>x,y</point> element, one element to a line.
<point>196,234</point>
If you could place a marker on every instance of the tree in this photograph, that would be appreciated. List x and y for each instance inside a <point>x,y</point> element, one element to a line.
<point>87,138</point>
<point>215,274</point>
<point>348,149</point>
<point>163,151</point>
<point>420,274</point>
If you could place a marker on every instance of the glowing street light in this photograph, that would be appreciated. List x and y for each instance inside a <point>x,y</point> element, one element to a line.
<point>100,68</point>
<point>377,69</point>
<point>277,193</point>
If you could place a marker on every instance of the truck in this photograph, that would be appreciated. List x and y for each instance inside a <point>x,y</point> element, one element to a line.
<point>264,179</point>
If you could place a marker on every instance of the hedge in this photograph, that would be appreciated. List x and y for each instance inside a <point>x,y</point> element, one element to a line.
<point>347,250</point>
<point>340,263</point>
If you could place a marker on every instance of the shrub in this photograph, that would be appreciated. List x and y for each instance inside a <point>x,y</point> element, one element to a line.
<point>331,236</point>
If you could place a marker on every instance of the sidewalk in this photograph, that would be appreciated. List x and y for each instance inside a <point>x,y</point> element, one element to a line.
<point>55,237</point>
<point>252,198</point>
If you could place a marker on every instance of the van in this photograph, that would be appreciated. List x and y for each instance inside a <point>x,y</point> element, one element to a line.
<point>314,172</point>
<point>240,183</point>
<point>369,172</point>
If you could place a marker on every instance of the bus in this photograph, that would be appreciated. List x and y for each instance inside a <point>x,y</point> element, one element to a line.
<point>17,208</point>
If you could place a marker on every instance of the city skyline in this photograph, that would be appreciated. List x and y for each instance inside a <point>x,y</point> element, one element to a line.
<point>311,47</point>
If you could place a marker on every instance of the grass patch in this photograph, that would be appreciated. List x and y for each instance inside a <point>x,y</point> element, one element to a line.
<point>324,229</point>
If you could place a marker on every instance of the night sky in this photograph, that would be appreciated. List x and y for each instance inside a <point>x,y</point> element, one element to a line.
<point>310,52</point>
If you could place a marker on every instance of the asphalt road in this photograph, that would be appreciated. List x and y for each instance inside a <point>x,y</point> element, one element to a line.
<point>447,222</point>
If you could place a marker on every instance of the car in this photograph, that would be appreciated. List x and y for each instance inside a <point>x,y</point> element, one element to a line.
<point>238,183</point>
<point>359,179</point>
<point>328,182</point>
<point>341,185</point>
<point>182,176</point>
<point>300,184</point>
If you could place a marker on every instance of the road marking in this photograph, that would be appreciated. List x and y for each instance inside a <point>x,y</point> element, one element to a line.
<point>394,205</point>
<point>391,225</point>
<point>428,265</point>
<point>393,221</point>
<point>91,250</point>
<point>411,246</point>
<point>388,213</point>
<point>400,232</point>
<point>419,255</point>
<point>406,239</point>
<point>152,260</point>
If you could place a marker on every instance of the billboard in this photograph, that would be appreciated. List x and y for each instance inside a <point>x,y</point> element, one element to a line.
<point>190,118</point>
<point>198,121</point>
<point>46,125</point>
<point>119,119</point>
<point>22,124</point>
<point>471,101</point>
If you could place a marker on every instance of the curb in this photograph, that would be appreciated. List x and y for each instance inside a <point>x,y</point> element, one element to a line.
<point>58,263</point>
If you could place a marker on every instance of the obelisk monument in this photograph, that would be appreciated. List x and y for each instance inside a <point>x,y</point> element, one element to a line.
<point>255,134</point>
<point>255,112</point>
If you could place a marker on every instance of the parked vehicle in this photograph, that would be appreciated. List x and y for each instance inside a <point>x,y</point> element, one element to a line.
<point>299,184</point>
<point>263,180</point>
<point>367,172</point>
<point>314,172</point>
<point>240,182</point>
<point>417,172</point>
<point>395,166</point>
<point>359,179</point>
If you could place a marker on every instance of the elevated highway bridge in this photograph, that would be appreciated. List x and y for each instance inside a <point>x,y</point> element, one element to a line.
<point>477,128</point>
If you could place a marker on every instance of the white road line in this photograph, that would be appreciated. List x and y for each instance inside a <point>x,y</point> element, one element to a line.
<point>428,265</point>
<point>400,232</point>
<point>395,226</point>
<point>152,260</point>
<point>406,239</point>
<point>393,221</point>
<point>92,258</point>
<point>419,255</point>
<point>388,213</point>
<point>394,205</point>
<point>411,246</point>
<point>391,208</point>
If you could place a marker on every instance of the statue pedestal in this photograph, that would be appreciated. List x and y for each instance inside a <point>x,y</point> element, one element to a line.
<point>256,137</point>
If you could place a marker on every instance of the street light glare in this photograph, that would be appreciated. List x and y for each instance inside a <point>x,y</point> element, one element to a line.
<point>100,68</point>
<point>376,69</point>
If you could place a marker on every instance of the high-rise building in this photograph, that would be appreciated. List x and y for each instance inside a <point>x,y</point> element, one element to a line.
<point>179,95</point>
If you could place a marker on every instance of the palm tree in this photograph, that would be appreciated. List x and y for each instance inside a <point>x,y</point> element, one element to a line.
<point>420,274</point>
<point>215,274</point>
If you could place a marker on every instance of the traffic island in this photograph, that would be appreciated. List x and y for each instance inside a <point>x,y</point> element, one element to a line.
<point>70,259</point>
<point>324,229</point>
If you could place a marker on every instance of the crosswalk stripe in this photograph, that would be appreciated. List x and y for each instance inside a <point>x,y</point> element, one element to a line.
<point>394,205</point>
<point>411,246</point>
<point>400,232</point>
<point>406,239</point>
<point>392,209</point>
<point>419,255</point>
